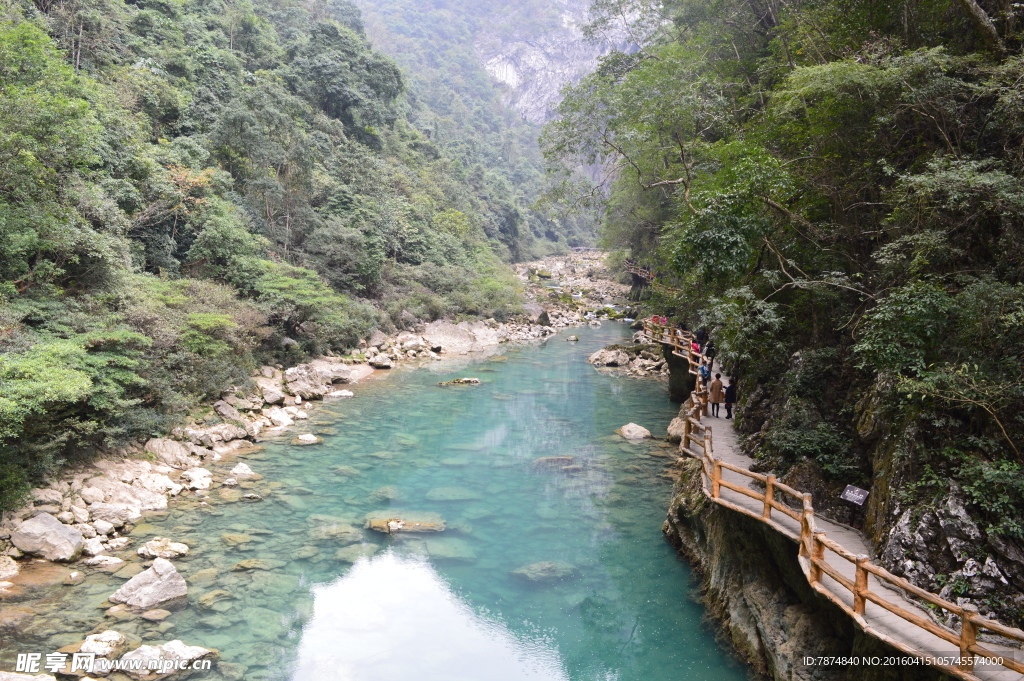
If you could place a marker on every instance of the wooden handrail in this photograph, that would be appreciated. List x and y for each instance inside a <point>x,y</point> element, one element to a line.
<point>813,543</point>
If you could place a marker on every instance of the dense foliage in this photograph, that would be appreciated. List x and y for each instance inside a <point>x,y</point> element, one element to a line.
<point>191,187</point>
<point>835,189</point>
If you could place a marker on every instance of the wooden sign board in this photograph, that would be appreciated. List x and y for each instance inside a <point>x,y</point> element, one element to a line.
<point>855,494</point>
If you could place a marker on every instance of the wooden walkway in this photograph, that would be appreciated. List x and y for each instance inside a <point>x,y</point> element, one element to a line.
<point>835,559</point>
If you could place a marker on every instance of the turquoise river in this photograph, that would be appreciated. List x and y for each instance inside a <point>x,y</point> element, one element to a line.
<point>444,606</point>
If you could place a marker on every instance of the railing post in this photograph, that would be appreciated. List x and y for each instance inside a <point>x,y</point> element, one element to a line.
<point>687,426</point>
<point>968,637</point>
<point>709,446</point>
<point>716,478</point>
<point>817,555</point>
<point>805,527</point>
<point>769,497</point>
<point>860,584</point>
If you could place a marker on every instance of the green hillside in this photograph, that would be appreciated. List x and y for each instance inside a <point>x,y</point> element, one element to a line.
<point>189,188</point>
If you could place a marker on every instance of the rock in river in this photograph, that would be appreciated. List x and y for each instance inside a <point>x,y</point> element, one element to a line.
<point>631,431</point>
<point>198,478</point>
<point>545,572</point>
<point>351,554</point>
<point>394,522</point>
<point>462,381</point>
<point>162,547</point>
<point>258,564</point>
<point>158,584</point>
<point>183,656</point>
<point>49,538</point>
<point>242,472</point>
<point>8,567</point>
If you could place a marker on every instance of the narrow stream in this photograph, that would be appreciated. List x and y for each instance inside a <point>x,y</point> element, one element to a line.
<point>442,606</point>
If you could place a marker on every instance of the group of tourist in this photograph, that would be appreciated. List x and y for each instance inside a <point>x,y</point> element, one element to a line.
<point>718,392</point>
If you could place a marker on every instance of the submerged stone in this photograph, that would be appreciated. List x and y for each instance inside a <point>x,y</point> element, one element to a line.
<point>545,572</point>
<point>258,564</point>
<point>452,494</point>
<point>394,522</point>
<point>462,381</point>
<point>351,554</point>
<point>158,584</point>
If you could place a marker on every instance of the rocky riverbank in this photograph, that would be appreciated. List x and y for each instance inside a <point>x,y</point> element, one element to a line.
<point>83,521</point>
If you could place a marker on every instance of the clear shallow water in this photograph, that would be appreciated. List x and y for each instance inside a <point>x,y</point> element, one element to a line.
<point>442,606</point>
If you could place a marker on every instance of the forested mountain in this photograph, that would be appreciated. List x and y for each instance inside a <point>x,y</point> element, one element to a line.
<point>190,187</point>
<point>445,47</point>
<point>834,188</point>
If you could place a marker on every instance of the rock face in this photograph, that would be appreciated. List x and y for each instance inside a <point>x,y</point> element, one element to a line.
<point>675,429</point>
<point>533,66</point>
<point>754,588</point>
<point>49,538</point>
<point>537,314</point>
<point>146,590</point>
<point>306,381</point>
<point>461,338</point>
<point>381,362</point>
<point>170,452</point>
<point>631,431</point>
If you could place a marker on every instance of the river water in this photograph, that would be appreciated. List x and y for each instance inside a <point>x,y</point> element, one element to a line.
<point>443,606</point>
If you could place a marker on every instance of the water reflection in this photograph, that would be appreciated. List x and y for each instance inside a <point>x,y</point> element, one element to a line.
<point>393,618</point>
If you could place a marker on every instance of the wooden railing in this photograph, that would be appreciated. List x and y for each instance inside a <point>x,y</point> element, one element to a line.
<point>780,503</point>
<point>641,272</point>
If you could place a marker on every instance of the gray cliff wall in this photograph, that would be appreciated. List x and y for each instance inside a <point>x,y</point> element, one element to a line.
<point>533,66</point>
<point>756,593</point>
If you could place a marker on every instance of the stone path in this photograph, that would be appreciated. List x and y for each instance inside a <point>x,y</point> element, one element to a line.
<point>726,447</point>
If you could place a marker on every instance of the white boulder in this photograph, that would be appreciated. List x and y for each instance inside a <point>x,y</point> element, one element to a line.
<point>198,478</point>
<point>49,538</point>
<point>242,472</point>
<point>158,584</point>
<point>631,431</point>
<point>162,547</point>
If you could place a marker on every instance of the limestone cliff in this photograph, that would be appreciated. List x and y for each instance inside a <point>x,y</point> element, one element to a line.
<point>533,62</point>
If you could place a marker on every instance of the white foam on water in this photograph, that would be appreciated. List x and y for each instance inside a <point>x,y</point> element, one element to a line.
<point>392,618</point>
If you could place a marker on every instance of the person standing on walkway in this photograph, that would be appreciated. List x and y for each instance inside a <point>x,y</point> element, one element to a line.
<point>709,352</point>
<point>730,398</point>
<point>702,338</point>
<point>717,394</point>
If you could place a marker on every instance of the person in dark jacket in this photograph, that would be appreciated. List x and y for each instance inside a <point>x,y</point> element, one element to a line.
<point>730,398</point>
<point>709,352</point>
